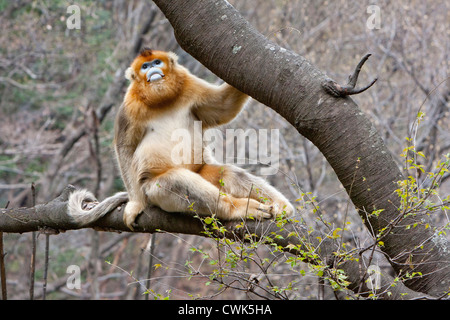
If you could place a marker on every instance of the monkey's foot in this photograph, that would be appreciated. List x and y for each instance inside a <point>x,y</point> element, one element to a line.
<point>244,208</point>
<point>282,208</point>
<point>132,210</point>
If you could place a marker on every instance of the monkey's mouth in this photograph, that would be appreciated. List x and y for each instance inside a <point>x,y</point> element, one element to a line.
<point>154,74</point>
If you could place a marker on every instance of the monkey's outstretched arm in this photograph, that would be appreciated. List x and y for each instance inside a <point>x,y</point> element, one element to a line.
<point>217,105</point>
<point>84,208</point>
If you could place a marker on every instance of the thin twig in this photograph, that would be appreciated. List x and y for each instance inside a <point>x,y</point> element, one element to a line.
<point>47,245</point>
<point>2,265</point>
<point>33,247</point>
<point>2,269</point>
<point>150,263</point>
<point>337,90</point>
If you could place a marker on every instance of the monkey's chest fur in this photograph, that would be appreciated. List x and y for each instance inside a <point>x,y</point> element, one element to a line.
<point>170,140</point>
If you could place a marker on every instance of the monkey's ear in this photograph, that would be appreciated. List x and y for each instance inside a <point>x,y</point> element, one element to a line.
<point>129,74</point>
<point>173,57</point>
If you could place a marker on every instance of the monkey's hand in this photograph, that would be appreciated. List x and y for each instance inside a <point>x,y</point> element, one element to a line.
<point>132,210</point>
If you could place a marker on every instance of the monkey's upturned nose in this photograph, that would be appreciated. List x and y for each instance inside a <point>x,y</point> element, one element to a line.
<point>154,74</point>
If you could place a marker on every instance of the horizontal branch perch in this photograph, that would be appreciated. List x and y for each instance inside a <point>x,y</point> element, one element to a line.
<point>52,217</point>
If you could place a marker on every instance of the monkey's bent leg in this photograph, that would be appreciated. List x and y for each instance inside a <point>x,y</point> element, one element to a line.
<point>241,184</point>
<point>181,190</point>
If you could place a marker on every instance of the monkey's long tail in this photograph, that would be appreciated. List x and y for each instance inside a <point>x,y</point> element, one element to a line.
<point>84,208</point>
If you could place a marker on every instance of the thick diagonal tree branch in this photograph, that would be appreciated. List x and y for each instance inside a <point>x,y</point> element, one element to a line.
<point>216,34</point>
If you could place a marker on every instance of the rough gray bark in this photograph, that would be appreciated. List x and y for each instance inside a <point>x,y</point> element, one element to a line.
<point>214,33</point>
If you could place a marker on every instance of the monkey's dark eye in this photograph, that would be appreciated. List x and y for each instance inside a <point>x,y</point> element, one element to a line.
<point>157,62</point>
<point>145,66</point>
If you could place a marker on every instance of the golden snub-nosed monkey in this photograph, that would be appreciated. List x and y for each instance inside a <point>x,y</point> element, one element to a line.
<point>164,96</point>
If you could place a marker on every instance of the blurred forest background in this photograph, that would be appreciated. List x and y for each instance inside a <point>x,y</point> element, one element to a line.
<point>60,89</point>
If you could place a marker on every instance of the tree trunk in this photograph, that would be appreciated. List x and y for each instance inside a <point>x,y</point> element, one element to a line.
<point>214,33</point>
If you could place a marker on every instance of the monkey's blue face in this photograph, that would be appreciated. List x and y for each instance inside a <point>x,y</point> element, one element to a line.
<point>152,67</point>
<point>153,70</point>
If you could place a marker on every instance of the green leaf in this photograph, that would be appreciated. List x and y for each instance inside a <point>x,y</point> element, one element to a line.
<point>209,220</point>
